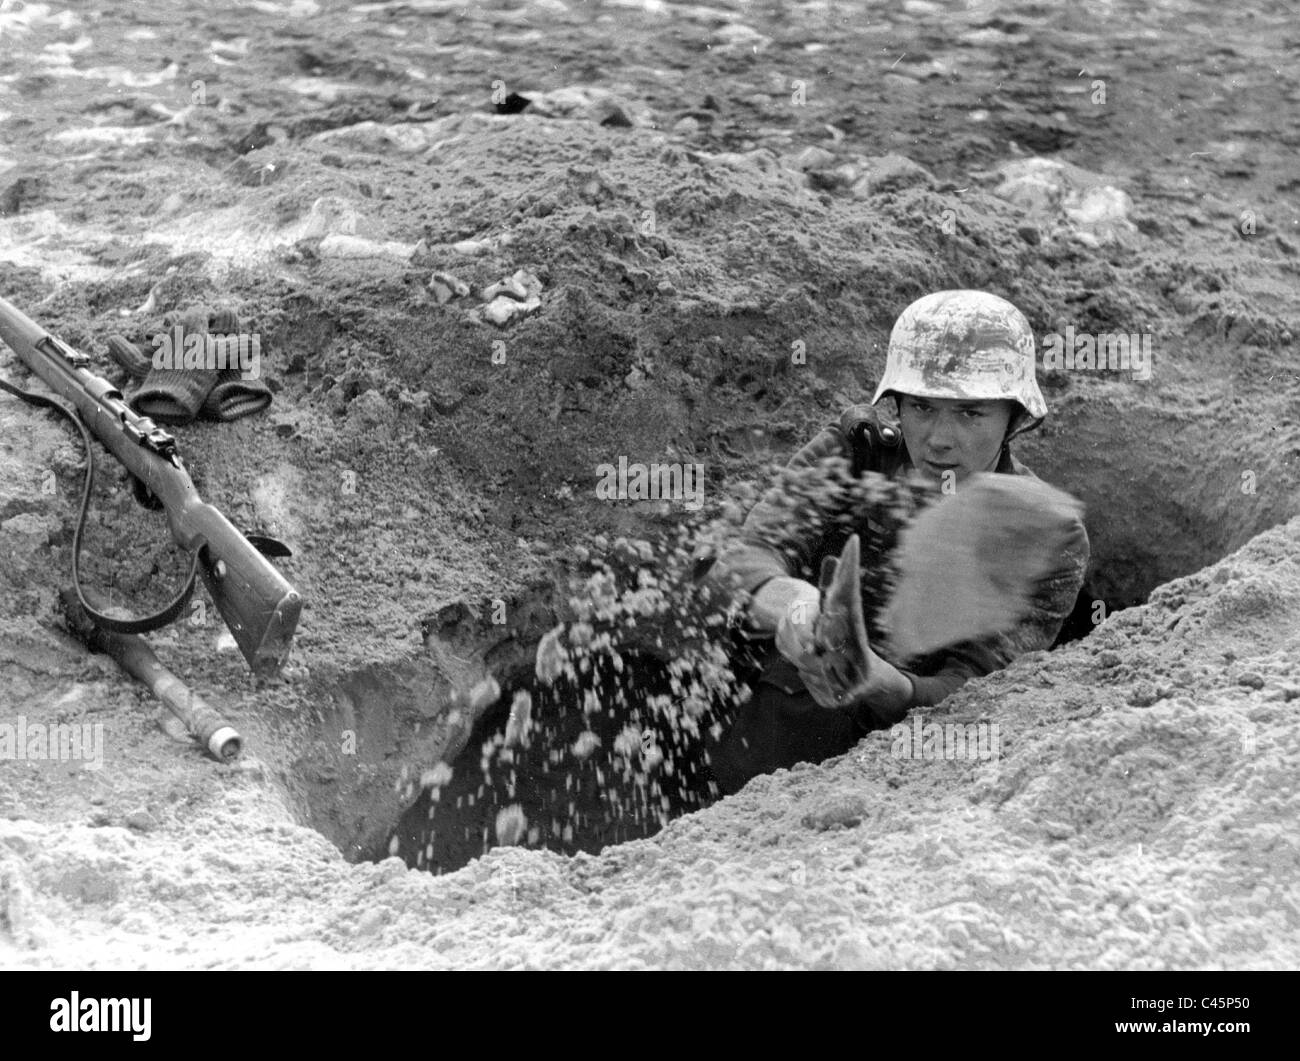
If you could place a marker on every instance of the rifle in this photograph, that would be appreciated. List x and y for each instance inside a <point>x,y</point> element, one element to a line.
<point>258,605</point>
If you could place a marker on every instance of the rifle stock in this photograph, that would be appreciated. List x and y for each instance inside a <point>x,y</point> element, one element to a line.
<point>258,605</point>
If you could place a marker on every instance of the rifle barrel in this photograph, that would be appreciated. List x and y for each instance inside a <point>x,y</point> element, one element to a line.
<point>135,656</point>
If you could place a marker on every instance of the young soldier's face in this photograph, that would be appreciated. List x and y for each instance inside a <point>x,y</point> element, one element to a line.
<point>949,437</point>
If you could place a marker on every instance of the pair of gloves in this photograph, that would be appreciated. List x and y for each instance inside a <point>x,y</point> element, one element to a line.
<point>172,395</point>
<point>822,631</point>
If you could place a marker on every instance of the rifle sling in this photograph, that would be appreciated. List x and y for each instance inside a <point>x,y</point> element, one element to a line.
<point>120,626</point>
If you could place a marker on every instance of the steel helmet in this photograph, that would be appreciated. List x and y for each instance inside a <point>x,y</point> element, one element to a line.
<point>965,344</point>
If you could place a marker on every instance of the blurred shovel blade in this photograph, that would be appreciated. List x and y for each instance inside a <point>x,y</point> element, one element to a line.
<point>969,563</point>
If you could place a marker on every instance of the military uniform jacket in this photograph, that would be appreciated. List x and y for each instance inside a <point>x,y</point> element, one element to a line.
<point>870,443</point>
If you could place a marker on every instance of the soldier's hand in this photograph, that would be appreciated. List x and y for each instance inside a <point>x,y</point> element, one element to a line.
<point>813,674</point>
<point>794,630</point>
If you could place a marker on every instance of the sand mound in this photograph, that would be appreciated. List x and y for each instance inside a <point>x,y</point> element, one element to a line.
<point>1139,816</point>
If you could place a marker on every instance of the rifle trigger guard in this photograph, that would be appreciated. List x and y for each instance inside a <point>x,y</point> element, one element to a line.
<point>144,495</point>
<point>267,546</point>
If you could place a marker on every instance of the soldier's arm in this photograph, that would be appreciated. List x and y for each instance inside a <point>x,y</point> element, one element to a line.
<point>754,558</point>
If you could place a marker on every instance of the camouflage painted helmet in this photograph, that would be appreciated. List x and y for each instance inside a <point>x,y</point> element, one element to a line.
<point>965,344</point>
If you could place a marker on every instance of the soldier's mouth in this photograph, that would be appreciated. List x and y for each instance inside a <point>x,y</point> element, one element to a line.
<point>939,466</point>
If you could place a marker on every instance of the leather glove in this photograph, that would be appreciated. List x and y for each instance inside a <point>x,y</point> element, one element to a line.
<point>841,670</point>
<point>836,666</point>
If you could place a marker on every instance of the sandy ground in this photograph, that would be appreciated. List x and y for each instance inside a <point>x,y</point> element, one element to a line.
<point>1141,816</point>
<point>689,224</point>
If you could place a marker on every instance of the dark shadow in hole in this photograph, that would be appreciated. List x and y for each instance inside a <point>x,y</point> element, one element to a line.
<point>586,804</point>
<point>1088,611</point>
<point>572,803</point>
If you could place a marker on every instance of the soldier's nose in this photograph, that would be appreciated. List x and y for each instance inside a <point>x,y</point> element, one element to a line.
<point>941,440</point>
<point>946,430</point>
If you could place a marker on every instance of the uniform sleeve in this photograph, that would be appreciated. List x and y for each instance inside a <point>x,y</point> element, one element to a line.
<point>763,549</point>
<point>940,674</point>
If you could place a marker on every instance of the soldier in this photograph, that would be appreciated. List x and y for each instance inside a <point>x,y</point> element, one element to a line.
<point>960,370</point>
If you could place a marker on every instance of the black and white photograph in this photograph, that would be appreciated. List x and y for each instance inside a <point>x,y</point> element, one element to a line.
<point>639,485</point>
